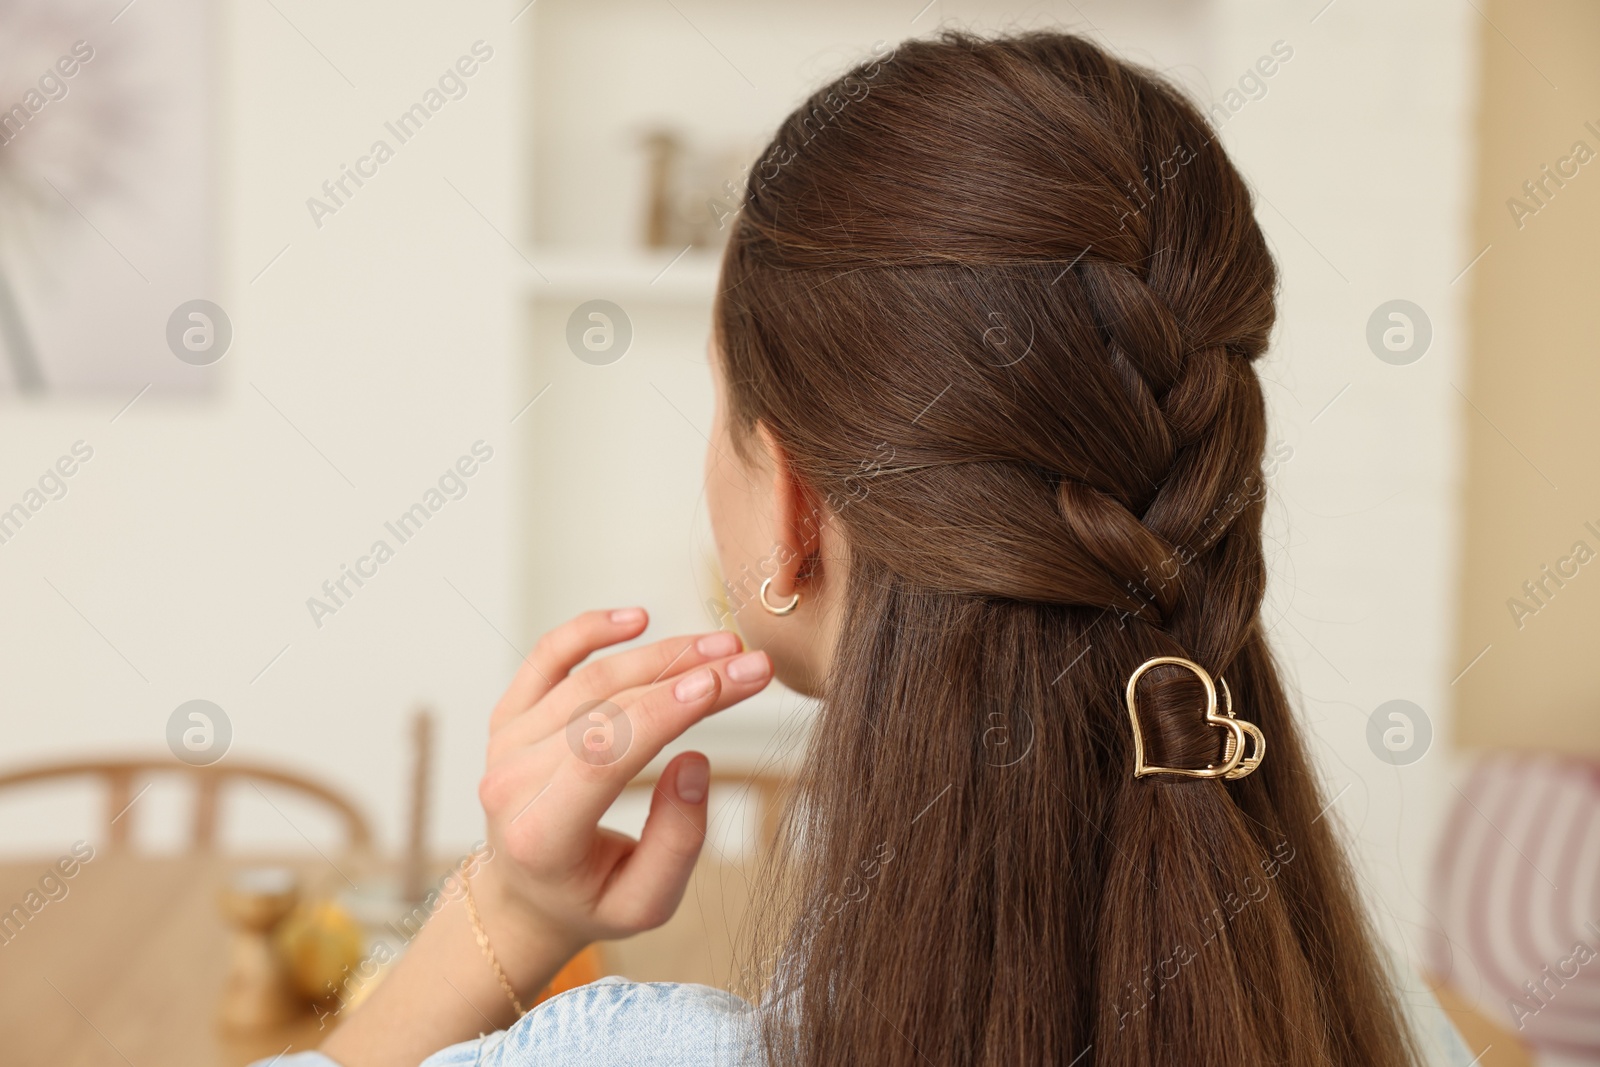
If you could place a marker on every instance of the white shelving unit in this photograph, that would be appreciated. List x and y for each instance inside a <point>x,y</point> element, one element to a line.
<point>613,455</point>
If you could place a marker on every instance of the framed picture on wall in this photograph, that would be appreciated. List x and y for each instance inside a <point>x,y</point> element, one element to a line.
<point>108,237</point>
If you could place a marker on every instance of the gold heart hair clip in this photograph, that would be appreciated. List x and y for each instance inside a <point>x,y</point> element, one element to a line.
<point>1235,764</point>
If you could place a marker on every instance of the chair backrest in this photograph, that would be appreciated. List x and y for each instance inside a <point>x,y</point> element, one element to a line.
<point>700,943</point>
<point>768,787</point>
<point>121,775</point>
<point>1516,888</point>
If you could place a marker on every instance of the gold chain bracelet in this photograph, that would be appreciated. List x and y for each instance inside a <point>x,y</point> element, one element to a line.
<point>483,943</point>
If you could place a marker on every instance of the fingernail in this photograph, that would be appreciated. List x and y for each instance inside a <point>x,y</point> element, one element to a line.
<point>695,685</point>
<point>749,667</point>
<point>694,778</point>
<point>721,643</point>
<point>627,616</point>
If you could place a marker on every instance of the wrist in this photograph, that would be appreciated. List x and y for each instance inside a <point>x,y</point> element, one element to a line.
<point>529,945</point>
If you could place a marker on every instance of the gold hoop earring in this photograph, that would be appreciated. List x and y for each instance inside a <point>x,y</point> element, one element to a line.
<point>794,600</point>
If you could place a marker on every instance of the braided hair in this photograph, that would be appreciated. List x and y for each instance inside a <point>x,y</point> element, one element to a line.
<point>999,300</point>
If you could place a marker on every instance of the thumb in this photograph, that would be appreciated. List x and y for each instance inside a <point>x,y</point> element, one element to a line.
<point>652,881</point>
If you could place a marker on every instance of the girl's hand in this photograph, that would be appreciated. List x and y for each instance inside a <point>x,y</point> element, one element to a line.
<point>564,742</point>
<point>556,881</point>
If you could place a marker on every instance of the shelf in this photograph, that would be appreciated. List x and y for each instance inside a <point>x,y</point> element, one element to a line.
<point>623,275</point>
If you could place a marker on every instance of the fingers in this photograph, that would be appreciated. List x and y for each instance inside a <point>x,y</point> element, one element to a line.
<point>648,888</point>
<point>613,677</point>
<point>562,649</point>
<point>581,791</point>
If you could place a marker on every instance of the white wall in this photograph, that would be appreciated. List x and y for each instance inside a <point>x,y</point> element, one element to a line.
<point>1360,154</point>
<point>194,537</point>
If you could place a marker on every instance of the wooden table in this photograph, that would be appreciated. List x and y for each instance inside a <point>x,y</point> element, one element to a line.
<point>126,969</point>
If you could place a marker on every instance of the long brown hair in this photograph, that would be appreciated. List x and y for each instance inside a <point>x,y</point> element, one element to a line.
<point>999,300</point>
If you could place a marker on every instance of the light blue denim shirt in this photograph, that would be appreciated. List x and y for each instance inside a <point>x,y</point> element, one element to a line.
<point>618,1023</point>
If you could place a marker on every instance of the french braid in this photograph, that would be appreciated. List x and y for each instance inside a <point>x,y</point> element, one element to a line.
<point>1001,312</point>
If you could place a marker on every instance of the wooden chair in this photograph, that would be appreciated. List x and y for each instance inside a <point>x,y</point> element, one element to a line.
<point>700,942</point>
<point>1496,910</point>
<point>121,775</point>
<point>767,789</point>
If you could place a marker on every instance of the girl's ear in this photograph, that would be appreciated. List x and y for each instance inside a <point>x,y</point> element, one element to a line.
<point>798,517</point>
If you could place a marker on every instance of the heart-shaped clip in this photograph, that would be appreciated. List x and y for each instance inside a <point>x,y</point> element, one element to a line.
<point>1235,764</point>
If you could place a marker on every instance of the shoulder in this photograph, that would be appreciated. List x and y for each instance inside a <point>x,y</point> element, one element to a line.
<point>615,1021</point>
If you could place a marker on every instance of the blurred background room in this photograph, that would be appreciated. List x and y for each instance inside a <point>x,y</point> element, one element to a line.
<point>283,282</point>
